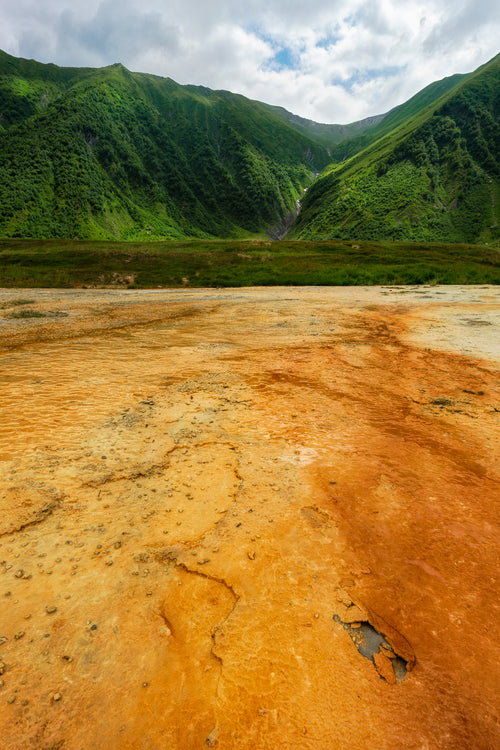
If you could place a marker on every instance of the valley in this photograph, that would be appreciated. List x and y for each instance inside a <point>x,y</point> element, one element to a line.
<point>108,154</point>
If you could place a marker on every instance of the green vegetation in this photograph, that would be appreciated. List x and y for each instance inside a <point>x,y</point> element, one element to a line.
<point>234,263</point>
<point>435,177</point>
<point>356,142</point>
<point>108,153</point>
<point>27,314</point>
<point>17,303</point>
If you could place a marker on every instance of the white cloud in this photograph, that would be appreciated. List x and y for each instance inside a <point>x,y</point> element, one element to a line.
<point>347,59</point>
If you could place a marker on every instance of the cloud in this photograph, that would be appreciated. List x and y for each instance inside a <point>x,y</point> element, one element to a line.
<point>333,60</point>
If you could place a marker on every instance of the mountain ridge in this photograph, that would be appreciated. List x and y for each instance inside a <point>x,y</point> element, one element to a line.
<point>105,153</point>
<point>435,177</point>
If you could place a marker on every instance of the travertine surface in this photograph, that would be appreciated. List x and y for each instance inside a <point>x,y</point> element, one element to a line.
<point>209,497</point>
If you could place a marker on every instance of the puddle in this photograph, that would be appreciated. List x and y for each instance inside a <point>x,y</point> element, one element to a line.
<point>374,646</point>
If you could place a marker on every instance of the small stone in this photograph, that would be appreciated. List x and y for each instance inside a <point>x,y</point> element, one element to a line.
<point>145,684</point>
<point>355,625</point>
<point>118,545</point>
<point>212,739</point>
<point>12,699</point>
<point>204,561</point>
<point>384,667</point>
<point>2,667</point>
<point>251,554</point>
<point>109,562</point>
<point>50,610</point>
<point>56,697</point>
<point>19,635</point>
<point>344,598</point>
<point>354,614</point>
<point>19,573</point>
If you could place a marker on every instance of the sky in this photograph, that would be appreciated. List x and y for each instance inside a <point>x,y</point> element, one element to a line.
<point>334,61</point>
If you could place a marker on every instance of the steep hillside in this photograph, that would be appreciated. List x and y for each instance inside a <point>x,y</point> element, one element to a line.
<point>344,141</point>
<point>435,177</point>
<point>111,154</point>
<point>354,142</point>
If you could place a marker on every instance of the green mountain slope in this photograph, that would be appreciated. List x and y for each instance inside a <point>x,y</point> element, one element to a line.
<point>435,176</point>
<point>343,141</point>
<point>111,154</point>
<point>328,135</point>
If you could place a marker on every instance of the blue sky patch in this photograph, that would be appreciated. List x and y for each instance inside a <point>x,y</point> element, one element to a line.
<point>285,58</point>
<point>328,41</point>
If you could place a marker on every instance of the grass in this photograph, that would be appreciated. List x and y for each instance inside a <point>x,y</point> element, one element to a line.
<point>17,303</point>
<point>236,263</point>
<point>27,314</point>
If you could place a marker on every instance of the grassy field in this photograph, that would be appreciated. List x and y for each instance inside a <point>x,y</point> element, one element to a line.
<point>224,263</point>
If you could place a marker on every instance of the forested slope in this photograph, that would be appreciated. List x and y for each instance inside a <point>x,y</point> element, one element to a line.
<point>108,153</point>
<point>435,177</point>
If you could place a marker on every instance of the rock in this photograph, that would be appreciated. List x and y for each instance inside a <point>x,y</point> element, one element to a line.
<point>251,555</point>
<point>12,699</point>
<point>19,635</point>
<point>2,667</point>
<point>384,667</point>
<point>355,614</point>
<point>212,739</point>
<point>344,598</point>
<point>56,697</point>
<point>50,609</point>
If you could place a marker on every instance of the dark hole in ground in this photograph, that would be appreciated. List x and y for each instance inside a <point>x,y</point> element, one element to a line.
<point>369,641</point>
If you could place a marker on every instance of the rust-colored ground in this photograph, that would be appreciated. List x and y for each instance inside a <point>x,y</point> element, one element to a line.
<point>209,497</point>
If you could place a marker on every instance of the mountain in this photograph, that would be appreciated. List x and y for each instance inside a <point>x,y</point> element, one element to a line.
<point>432,174</point>
<point>328,135</point>
<point>109,154</point>
<point>354,142</point>
<point>106,153</point>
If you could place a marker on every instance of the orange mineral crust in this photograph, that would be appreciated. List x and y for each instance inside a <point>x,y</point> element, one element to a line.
<point>250,519</point>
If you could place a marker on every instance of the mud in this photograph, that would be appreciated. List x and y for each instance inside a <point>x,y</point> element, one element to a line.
<point>214,501</point>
